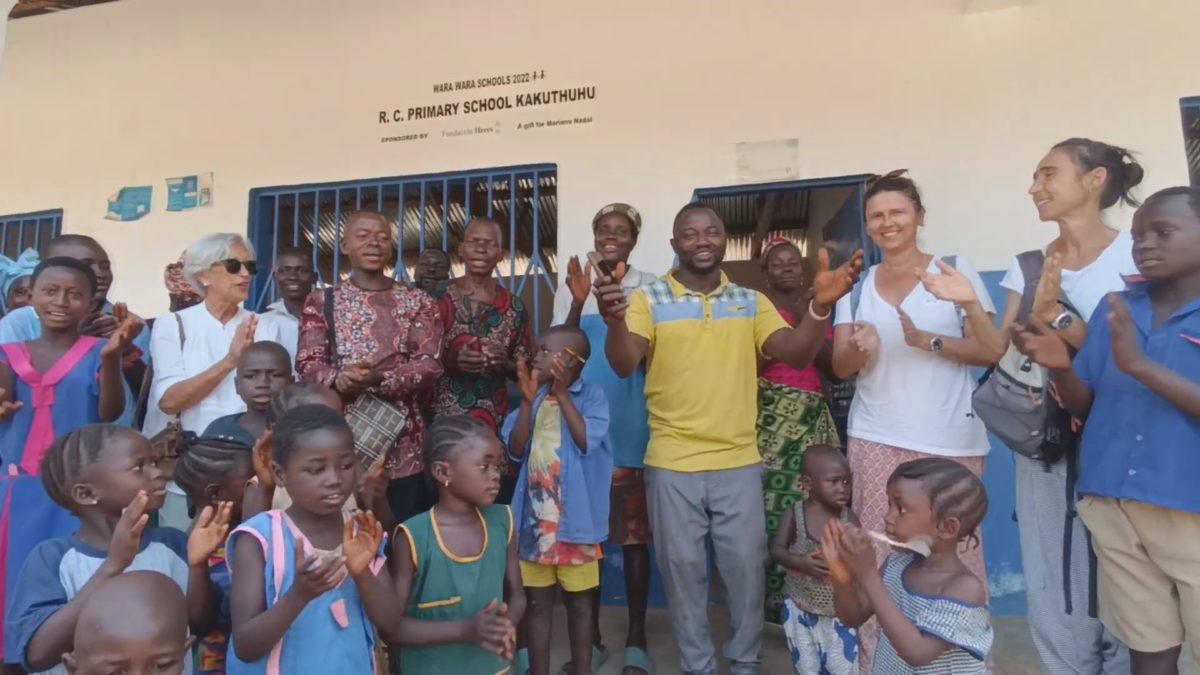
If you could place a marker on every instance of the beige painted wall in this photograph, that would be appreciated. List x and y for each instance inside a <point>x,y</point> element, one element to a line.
<point>288,91</point>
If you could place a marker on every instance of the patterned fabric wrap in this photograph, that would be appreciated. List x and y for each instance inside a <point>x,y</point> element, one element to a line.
<point>789,420</point>
<point>872,464</point>
<point>819,645</point>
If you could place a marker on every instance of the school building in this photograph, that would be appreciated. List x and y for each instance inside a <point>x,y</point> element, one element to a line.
<point>148,123</point>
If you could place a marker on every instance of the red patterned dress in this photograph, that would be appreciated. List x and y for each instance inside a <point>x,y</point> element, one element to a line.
<point>503,322</point>
<point>398,330</point>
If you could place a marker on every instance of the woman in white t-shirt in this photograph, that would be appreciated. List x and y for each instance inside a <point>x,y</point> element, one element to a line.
<point>1072,186</point>
<point>912,353</point>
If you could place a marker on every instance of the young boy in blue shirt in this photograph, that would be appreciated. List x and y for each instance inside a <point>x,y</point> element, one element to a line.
<point>1137,382</point>
<point>561,502</point>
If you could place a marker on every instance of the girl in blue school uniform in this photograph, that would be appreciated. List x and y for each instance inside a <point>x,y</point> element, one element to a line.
<point>309,585</point>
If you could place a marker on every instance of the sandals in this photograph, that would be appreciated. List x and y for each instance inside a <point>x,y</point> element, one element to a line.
<point>599,658</point>
<point>636,657</point>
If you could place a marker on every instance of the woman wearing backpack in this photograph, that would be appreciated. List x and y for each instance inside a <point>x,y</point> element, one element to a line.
<point>1072,186</point>
<point>912,354</point>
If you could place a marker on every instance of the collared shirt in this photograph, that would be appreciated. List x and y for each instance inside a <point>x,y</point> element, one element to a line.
<point>626,396</point>
<point>23,325</point>
<point>205,342</point>
<point>398,331</point>
<point>1136,445</point>
<point>702,377</point>
<point>585,478</point>
<point>289,327</point>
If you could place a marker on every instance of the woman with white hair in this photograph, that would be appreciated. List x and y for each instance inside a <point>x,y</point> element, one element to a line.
<point>196,350</point>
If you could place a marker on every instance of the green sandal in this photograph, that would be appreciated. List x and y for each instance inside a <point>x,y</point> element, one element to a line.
<point>636,657</point>
<point>599,658</point>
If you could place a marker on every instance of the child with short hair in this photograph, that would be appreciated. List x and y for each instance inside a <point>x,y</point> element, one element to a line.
<point>110,478</point>
<point>561,503</point>
<point>455,566</point>
<point>820,643</point>
<point>49,387</point>
<point>132,623</point>
<point>309,584</point>
<point>217,476</point>
<point>932,611</point>
<point>264,369</point>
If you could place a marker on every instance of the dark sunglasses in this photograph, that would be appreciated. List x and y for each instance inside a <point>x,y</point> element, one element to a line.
<point>234,266</point>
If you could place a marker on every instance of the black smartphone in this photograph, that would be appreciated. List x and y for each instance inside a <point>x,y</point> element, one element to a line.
<point>602,266</point>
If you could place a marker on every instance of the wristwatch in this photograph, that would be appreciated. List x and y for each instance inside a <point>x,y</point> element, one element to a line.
<point>935,345</point>
<point>1063,321</point>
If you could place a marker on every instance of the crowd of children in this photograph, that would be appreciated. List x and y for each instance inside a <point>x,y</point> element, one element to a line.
<point>280,573</point>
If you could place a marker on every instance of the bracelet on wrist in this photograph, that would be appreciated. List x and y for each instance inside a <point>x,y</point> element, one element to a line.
<point>813,314</point>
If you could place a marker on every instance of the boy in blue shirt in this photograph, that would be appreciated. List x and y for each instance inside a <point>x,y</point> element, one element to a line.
<point>1137,381</point>
<point>560,506</point>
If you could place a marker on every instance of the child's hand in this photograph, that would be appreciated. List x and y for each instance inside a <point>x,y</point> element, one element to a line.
<point>361,538</point>
<point>561,376</point>
<point>1127,353</point>
<point>490,629</point>
<point>813,565</point>
<point>510,642</point>
<point>858,552</point>
<point>527,380</point>
<point>121,338</point>
<point>208,534</point>
<point>372,485</point>
<point>316,576</point>
<point>579,280</point>
<point>8,408</point>
<point>264,451</point>
<point>831,550</point>
<point>127,536</point>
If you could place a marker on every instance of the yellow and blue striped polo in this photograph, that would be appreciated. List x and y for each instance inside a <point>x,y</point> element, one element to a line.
<point>702,370</point>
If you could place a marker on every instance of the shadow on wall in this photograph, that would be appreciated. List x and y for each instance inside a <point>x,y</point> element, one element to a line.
<point>1000,537</point>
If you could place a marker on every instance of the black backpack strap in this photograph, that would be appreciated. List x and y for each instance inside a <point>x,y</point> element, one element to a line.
<point>1072,460</point>
<point>330,330</point>
<point>1031,263</point>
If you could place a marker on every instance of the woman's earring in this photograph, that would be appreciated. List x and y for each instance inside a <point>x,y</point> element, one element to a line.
<point>447,483</point>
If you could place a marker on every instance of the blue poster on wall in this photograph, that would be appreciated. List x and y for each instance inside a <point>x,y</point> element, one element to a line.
<point>130,203</point>
<point>189,192</point>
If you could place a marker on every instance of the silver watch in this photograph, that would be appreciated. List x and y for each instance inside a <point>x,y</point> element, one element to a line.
<point>1063,321</point>
<point>936,344</point>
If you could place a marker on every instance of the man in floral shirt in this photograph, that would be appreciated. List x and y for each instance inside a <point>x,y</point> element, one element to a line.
<point>388,342</point>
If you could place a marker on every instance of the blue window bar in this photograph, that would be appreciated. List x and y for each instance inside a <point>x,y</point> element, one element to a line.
<point>1190,109</point>
<point>426,211</point>
<point>29,230</point>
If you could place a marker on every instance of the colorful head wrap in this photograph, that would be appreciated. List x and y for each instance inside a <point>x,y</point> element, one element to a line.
<point>771,244</point>
<point>177,284</point>
<point>12,271</point>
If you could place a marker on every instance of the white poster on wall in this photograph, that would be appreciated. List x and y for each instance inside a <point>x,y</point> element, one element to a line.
<point>760,161</point>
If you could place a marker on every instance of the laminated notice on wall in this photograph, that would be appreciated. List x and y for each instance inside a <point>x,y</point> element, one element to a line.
<point>189,192</point>
<point>130,203</point>
<point>759,161</point>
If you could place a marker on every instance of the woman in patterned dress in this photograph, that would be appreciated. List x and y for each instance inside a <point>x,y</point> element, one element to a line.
<point>792,412</point>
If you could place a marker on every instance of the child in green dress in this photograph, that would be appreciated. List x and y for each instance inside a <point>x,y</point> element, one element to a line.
<point>455,566</point>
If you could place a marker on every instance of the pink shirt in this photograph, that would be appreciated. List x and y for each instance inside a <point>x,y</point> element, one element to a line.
<point>808,379</point>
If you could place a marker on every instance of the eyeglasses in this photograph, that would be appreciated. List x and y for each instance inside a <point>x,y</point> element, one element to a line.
<point>234,266</point>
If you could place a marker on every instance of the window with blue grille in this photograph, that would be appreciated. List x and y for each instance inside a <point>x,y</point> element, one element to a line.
<point>1191,136</point>
<point>426,211</point>
<point>21,231</point>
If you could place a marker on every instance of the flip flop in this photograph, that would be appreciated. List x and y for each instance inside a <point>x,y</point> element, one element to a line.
<point>522,663</point>
<point>636,657</point>
<point>599,658</point>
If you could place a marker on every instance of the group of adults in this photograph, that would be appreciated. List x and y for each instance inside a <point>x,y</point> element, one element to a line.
<point>722,430</point>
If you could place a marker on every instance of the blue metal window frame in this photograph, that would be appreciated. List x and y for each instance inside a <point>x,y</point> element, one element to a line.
<point>1190,105</point>
<point>264,221</point>
<point>871,254</point>
<point>28,229</point>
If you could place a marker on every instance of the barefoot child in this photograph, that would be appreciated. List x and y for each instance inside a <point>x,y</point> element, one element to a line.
<point>51,385</point>
<point>110,478</point>
<point>264,369</point>
<point>932,611</point>
<point>217,476</point>
<point>455,566</point>
<point>135,623</point>
<point>309,587</point>
<point>561,504</point>
<point>819,642</point>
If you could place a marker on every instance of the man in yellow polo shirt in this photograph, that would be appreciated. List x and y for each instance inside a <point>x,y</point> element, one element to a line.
<point>700,335</point>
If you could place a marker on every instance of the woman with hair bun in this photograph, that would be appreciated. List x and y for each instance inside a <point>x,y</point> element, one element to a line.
<point>1072,186</point>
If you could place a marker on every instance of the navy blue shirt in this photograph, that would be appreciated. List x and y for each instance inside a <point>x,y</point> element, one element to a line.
<point>1136,445</point>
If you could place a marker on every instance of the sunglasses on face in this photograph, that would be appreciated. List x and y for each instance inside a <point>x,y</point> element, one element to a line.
<point>234,266</point>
